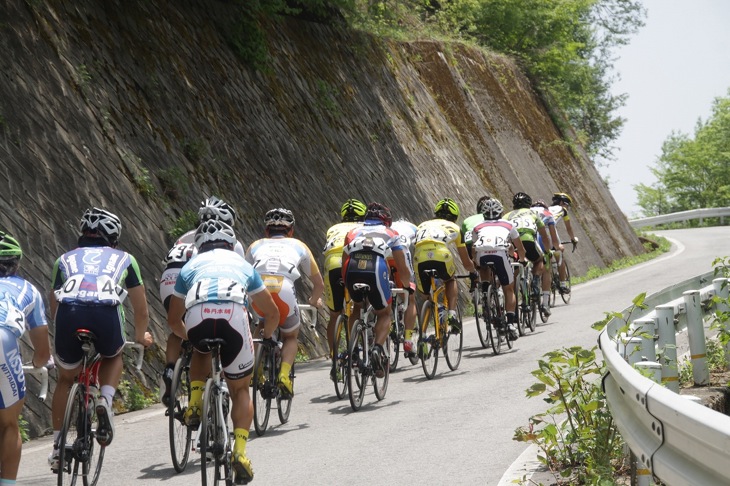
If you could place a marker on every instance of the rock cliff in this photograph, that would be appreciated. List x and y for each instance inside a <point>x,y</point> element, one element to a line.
<point>142,107</point>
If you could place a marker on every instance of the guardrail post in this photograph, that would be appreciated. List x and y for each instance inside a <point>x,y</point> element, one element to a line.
<point>720,286</point>
<point>696,335</point>
<point>653,371</point>
<point>645,329</point>
<point>667,346</point>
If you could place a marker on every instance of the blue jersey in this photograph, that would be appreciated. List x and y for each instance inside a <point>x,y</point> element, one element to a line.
<point>217,275</point>
<point>93,275</point>
<point>21,305</point>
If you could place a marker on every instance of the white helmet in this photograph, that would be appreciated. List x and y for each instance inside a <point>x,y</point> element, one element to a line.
<point>101,221</point>
<point>214,231</point>
<point>279,217</point>
<point>214,208</point>
<point>491,208</point>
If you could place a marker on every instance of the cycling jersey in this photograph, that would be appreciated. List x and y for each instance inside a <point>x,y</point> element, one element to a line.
<point>215,286</point>
<point>280,260</point>
<point>547,219</point>
<point>527,223</point>
<point>491,240</point>
<point>189,237</point>
<point>334,292</point>
<point>559,212</point>
<point>407,235</point>
<point>432,250</point>
<point>468,225</point>
<point>21,309</point>
<point>176,258</point>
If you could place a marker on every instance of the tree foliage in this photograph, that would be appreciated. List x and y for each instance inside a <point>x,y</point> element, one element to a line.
<point>692,172</point>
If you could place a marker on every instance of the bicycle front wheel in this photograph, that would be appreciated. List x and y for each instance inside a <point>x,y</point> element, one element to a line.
<point>428,350</point>
<point>283,405</point>
<point>454,343</point>
<point>263,374</point>
<point>92,467</point>
<point>491,309</point>
<point>181,436</point>
<point>356,364</point>
<point>566,295</point>
<point>339,358</point>
<point>380,385</point>
<point>210,442</point>
<point>522,307</point>
<point>75,432</point>
<point>481,319</point>
<point>394,339</point>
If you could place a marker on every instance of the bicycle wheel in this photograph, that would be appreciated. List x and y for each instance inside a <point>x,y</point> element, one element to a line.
<point>210,442</point>
<point>395,336</point>
<point>263,374</point>
<point>521,306</point>
<point>454,343</point>
<point>339,359</point>
<point>73,436</point>
<point>428,350</point>
<point>554,285</point>
<point>481,319</point>
<point>491,308</point>
<point>91,468</point>
<point>181,436</point>
<point>356,376</point>
<point>283,405</point>
<point>566,295</point>
<point>415,337</point>
<point>533,312</point>
<point>380,385</point>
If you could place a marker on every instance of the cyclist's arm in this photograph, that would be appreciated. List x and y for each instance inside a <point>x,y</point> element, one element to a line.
<point>41,346</point>
<point>404,273</point>
<point>138,298</point>
<point>555,240</point>
<point>317,289</point>
<point>569,228</point>
<point>174,316</point>
<point>265,302</point>
<point>465,260</point>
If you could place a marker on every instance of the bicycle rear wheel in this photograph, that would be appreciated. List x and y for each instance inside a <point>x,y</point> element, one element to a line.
<point>415,337</point>
<point>92,467</point>
<point>210,442</point>
<point>263,374</point>
<point>522,306</point>
<point>356,376</point>
<point>428,350</point>
<point>380,385</point>
<point>491,308</point>
<point>283,405</point>
<point>181,436</point>
<point>454,343</point>
<point>339,358</point>
<point>73,437</point>
<point>533,312</point>
<point>395,337</point>
<point>554,285</point>
<point>566,295</point>
<point>481,319</point>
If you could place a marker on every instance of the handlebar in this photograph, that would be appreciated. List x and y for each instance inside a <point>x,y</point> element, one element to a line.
<point>43,372</point>
<point>312,310</point>
<point>574,243</point>
<point>140,352</point>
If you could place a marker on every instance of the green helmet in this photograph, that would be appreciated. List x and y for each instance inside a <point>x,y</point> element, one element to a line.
<point>9,247</point>
<point>353,210</point>
<point>447,209</point>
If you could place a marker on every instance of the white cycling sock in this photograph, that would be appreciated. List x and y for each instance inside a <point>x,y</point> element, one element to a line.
<point>546,299</point>
<point>107,392</point>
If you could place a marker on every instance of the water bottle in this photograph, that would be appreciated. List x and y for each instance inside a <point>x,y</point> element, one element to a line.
<point>500,296</point>
<point>225,398</point>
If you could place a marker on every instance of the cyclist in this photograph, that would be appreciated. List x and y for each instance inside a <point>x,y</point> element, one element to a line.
<point>492,239</point>
<point>407,234</point>
<point>212,292</point>
<point>530,226</point>
<point>281,260</point>
<point>183,250</point>
<point>364,261</point>
<point>541,209</point>
<point>469,223</point>
<point>88,294</point>
<point>21,309</point>
<point>432,252</point>
<point>352,213</point>
<point>559,209</point>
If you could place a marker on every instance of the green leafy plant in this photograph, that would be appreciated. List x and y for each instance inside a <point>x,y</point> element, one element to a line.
<point>134,396</point>
<point>194,149</point>
<point>143,183</point>
<point>173,182</point>
<point>23,426</point>
<point>183,224</point>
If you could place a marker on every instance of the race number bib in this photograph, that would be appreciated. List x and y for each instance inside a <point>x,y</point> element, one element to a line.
<point>99,290</point>
<point>179,253</point>
<point>366,243</point>
<point>219,289</point>
<point>12,318</point>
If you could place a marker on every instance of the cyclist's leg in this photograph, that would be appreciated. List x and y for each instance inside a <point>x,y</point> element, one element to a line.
<point>198,328</point>
<point>10,442</point>
<point>289,324</point>
<point>334,296</point>
<point>12,397</point>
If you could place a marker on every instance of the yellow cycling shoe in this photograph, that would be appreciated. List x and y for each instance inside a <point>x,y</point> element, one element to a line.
<point>286,388</point>
<point>243,472</point>
<point>192,416</point>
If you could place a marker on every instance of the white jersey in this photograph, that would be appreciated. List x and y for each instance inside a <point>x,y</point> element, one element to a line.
<point>493,236</point>
<point>282,256</point>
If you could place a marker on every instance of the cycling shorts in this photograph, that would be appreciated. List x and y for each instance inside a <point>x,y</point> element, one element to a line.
<point>334,292</point>
<point>532,251</point>
<point>224,320</point>
<point>502,264</point>
<point>105,321</point>
<point>167,284</point>
<point>431,256</point>
<point>12,378</point>
<point>372,269</point>
<point>282,290</point>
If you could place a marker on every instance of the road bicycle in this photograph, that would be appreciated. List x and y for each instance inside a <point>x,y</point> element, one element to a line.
<point>339,355</point>
<point>79,453</point>
<point>267,366</point>
<point>494,313</point>
<point>215,433</point>
<point>397,328</point>
<point>181,436</point>
<point>555,289</point>
<point>359,360</point>
<point>480,320</point>
<point>435,334</point>
<point>527,295</point>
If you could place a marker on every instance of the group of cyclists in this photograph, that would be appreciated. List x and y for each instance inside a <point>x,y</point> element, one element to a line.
<point>212,288</point>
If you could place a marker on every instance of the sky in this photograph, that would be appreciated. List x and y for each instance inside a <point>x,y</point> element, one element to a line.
<point>672,70</point>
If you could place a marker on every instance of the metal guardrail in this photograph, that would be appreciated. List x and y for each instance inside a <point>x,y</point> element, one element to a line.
<point>682,216</point>
<point>679,441</point>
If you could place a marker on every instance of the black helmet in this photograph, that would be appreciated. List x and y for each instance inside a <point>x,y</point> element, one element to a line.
<point>521,200</point>
<point>480,201</point>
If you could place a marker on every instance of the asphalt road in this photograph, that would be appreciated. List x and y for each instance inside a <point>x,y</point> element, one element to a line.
<point>454,429</point>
